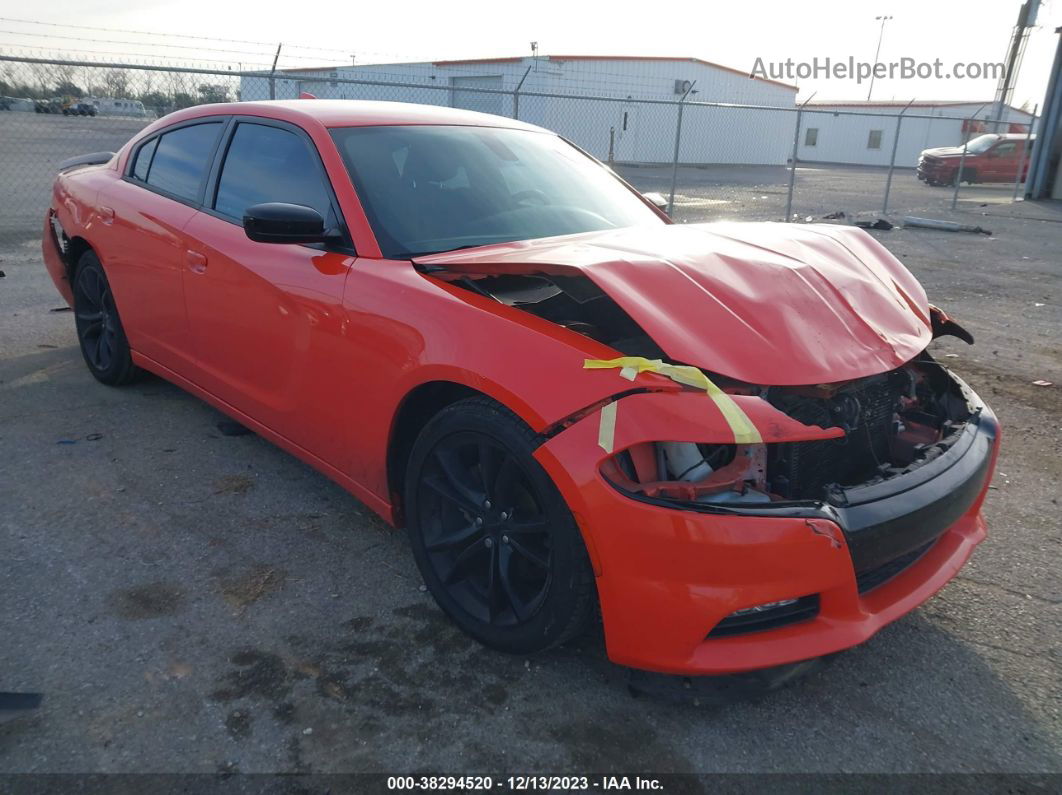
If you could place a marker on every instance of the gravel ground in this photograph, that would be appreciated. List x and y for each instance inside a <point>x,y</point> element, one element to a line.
<point>194,602</point>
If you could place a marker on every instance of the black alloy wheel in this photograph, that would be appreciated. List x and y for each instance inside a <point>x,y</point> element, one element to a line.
<point>496,544</point>
<point>99,327</point>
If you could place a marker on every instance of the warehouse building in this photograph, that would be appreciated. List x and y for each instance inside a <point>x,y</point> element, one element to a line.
<point>829,133</point>
<point>635,123</point>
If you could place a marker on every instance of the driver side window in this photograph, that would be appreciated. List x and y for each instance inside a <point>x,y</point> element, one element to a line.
<point>268,164</point>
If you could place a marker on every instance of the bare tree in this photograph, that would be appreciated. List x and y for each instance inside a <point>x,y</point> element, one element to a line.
<point>116,82</point>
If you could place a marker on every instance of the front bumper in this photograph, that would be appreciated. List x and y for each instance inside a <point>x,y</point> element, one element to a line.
<point>935,171</point>
<point>666,576</point>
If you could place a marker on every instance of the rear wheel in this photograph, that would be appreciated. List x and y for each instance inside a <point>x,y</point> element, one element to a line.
<point>99,328</point>
<point>496,544</point>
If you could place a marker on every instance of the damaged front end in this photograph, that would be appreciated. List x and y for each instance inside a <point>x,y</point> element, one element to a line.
<point>884,426</point>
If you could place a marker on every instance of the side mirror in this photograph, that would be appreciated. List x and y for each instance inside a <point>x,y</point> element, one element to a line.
<point>657,200</point>
<point>279,222</point>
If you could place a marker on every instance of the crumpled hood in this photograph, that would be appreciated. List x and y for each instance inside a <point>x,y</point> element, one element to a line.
<point>765,303</point>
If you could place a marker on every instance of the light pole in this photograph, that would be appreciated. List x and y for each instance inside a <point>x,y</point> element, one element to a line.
<point>877,52</point>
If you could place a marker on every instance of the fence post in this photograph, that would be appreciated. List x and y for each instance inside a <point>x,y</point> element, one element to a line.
<point>516,94</point>
<point>962,160</point>
<point>272,81</point>
<point>892,158</point>
<point>793,161</point>
<point>1024,156</point>
<point>678,141</point>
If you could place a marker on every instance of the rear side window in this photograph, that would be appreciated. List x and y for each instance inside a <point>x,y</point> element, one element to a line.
<point>181,159</point>
<point>143,159</point>
<point>268,164</point>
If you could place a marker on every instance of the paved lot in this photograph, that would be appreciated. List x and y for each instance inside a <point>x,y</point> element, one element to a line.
<point>189,601</point>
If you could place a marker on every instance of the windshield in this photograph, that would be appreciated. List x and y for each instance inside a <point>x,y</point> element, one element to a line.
<point>428,189</point>
<point>981,143</point>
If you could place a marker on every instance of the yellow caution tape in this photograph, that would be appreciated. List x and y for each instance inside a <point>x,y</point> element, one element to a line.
<point>630,366</point>
<point>606,431</point>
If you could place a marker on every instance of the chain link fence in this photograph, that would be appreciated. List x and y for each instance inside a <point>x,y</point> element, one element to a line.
<point>712,160</point>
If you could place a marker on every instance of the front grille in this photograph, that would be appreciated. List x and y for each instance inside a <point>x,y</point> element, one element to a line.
<point>879,575</point>
<point>804,470</point>
<point>801,610</point>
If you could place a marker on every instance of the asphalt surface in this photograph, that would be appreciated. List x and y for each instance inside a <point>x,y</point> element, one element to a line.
<point>188,601</point>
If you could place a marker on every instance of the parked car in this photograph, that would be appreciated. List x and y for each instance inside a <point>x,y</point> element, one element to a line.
<point>730,437</point>
<point>79,108</point>
<point>993,157</point>
<point>53,105</point>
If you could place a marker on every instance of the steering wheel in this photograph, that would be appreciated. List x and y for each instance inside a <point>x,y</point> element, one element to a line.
<point>533,194</point>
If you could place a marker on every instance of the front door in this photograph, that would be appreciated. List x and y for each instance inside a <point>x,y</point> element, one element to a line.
<point>266,318</point>
<point>1001,163</point>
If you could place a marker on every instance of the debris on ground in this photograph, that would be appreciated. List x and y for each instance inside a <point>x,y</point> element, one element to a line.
<point>93,437</point>
<point>233,428</point>
<point>2,274</point>
<point>880,223</point>
<point>61,309</point>
<point>233,484</point>
<point>243,591</point>
<point>834,216</point>
<point>1041,382</point>
<point>944,226</point>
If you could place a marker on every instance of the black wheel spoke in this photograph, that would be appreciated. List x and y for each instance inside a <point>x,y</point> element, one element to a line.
<point>456,476</point>
<point>441,486</point>
<point>518,605</point>
<point>493,586</point>
<point>454,538</point>
<point>93,329</point>
<point>106,348</point>
<point>489,457</point>
<point>542,561</point>
<point>531,524</point>
<point>459,570</point>
<point>97,353</point>
<point>507,481</point>
<point>90,317</point>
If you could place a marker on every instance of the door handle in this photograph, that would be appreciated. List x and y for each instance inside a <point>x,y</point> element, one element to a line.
<point>197,263</point>
<point>106,215</point>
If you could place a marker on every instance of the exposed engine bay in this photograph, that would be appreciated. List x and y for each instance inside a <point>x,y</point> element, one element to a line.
<point>892,423</point>
<point>574,302</point>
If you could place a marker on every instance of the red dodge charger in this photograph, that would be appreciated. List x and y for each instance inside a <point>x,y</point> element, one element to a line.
<point>729,437</point>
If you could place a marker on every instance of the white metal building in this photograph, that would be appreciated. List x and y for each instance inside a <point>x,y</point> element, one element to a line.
<point>639,132</point>
<point>827,135</point>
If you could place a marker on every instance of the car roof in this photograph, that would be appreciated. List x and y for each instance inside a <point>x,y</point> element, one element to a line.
<point>351,113</point>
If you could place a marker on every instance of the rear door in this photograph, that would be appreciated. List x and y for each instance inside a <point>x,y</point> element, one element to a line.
<point>266,318</point>
<point>143,244</point>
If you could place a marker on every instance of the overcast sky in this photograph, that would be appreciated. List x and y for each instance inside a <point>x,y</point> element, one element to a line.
<point>731,33</point>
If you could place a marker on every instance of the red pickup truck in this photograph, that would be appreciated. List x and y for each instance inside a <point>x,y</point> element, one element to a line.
<point>993,157</point>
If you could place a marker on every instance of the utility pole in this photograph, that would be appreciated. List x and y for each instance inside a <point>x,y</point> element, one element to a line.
<point>877,52</point>
<point>1018,39</point>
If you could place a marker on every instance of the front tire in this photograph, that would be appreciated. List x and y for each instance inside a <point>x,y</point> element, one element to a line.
<point>494,540</point>
<point>99,328</point>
